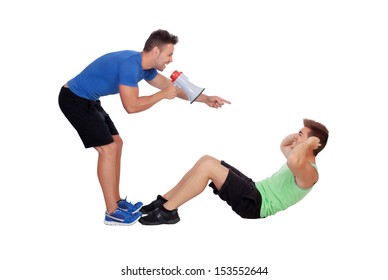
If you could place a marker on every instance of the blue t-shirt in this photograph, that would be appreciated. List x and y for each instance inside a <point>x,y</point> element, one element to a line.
<point>103,76</point>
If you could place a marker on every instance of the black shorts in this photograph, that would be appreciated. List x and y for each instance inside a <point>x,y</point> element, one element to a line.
<point>240,193</point>
<point>92,123</point>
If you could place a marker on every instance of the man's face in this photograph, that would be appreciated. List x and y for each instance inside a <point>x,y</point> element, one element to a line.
<point>301,136</point>
<point>164,56</point>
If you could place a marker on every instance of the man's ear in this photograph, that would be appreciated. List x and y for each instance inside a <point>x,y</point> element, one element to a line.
<point>156,51</point>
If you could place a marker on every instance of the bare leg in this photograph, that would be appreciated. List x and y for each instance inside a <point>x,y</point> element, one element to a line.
<point>195,181</point>
<point>184,179</point>
<point>106,173</point>
<point>119,149</point>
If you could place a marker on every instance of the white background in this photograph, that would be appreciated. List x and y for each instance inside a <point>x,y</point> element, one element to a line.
<point>276,61</point>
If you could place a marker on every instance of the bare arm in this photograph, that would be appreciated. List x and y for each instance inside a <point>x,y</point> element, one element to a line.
<point>133,103</point>
<point>161,82</point>
<point>287,144</point>
<point>299,161</point>
<point>212,101</point>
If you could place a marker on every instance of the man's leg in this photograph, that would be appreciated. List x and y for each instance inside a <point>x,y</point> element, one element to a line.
<point>106,172</point>
<point>195,181</point>
<point>119,148</point>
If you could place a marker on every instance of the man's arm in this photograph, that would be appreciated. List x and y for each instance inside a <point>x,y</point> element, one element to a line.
<point>162,82</point>
<point>297,160</point>
<point>212,101</point>
<point>133,103</point>
<point>287,144</point>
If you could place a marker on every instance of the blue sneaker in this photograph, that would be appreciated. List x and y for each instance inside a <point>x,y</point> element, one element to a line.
<point>123,204</point>
<point>121,218</point>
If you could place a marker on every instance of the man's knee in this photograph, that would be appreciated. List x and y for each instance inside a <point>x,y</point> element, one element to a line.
<point>205,158</point>
<point>106,150</point>
<point>207,163</point>
<point>118,140</point>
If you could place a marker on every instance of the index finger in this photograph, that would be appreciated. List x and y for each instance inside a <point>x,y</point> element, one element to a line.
<point>226,101</point>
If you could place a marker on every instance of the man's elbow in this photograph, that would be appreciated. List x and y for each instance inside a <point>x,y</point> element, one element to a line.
<point>131,109</point>
<point>294,161</point>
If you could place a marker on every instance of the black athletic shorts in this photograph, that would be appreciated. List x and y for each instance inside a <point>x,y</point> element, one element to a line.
<point>92,123</point>
<point>240,193</point>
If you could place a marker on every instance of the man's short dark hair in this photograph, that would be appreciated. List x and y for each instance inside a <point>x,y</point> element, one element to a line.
<point>159,38</point>
<point>317,130</point>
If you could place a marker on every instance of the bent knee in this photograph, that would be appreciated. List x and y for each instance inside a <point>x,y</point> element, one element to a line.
<point>107,149</point>
<point>118,140</point>
<point>206,158</point>
<point>207,163</point>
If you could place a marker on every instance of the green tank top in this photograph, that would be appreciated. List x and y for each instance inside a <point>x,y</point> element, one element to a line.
<point>280,191</point>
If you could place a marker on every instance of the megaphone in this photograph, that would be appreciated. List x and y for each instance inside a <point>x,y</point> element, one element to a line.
<point>192,91</point>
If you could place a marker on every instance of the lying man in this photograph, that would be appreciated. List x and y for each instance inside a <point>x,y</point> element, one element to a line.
<point>293,181</point>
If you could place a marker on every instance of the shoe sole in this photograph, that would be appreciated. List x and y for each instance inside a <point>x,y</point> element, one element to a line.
<point>111,223</point>
<point>170,222</point>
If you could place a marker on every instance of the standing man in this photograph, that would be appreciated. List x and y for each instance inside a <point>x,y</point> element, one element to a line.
<point>120,72</point>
